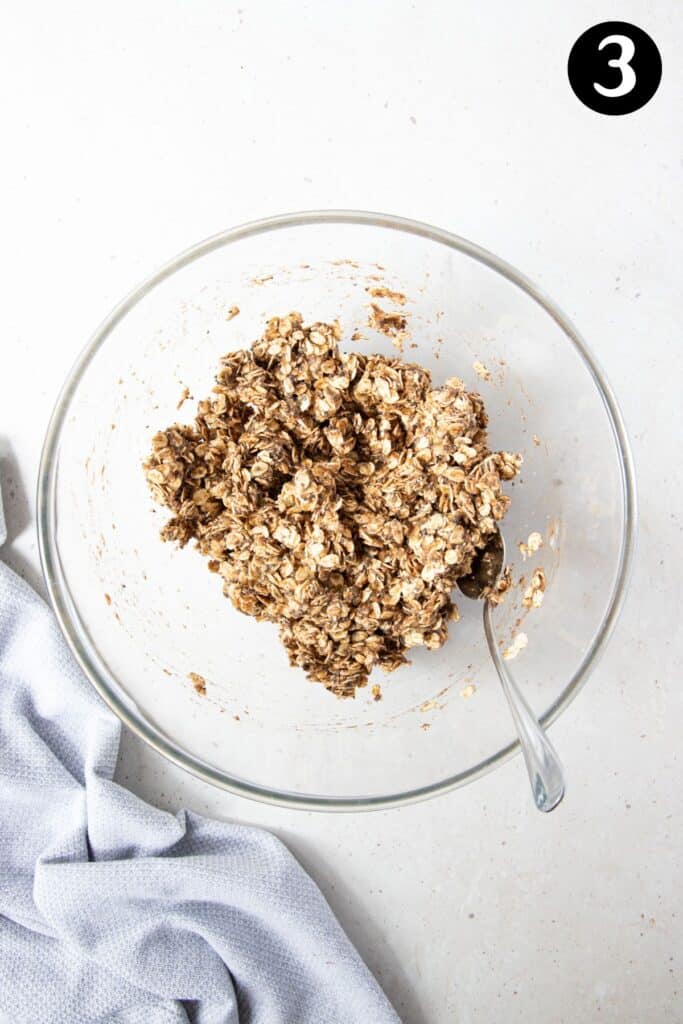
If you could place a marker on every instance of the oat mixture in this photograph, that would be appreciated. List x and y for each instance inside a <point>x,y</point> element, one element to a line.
<point>338,495</point>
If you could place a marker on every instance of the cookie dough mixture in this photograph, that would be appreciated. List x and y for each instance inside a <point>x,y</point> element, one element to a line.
<point>338,495</point>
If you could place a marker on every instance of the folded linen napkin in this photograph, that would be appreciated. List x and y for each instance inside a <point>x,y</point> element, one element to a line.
<point>112,910</point>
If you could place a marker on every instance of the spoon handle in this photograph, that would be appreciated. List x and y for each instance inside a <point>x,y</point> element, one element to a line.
<point>543,765</point>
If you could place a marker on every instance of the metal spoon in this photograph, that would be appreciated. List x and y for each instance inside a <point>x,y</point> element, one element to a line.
<point>543,765</point>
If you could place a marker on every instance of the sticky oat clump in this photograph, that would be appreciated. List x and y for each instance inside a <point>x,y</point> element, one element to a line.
<point>338,495</point>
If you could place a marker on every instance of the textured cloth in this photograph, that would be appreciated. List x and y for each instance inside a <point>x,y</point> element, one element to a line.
<point>112,910</point>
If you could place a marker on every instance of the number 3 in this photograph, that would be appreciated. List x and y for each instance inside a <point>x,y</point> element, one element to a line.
<point>628,75</point>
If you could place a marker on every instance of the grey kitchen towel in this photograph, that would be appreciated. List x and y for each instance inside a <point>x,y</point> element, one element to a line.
<point>113,910</point>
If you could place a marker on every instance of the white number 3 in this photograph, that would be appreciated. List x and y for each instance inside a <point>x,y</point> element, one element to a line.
<point>628,75</point>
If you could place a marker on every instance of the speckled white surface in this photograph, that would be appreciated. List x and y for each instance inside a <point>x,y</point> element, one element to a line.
<point>133,131</point>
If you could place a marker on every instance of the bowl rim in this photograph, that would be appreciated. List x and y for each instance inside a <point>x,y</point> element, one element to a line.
<point>83,647</point>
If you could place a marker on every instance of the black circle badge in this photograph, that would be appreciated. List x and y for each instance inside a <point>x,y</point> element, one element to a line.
<point>614,68</point>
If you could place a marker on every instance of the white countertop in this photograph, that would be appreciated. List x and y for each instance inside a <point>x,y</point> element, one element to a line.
<point>133,130</point>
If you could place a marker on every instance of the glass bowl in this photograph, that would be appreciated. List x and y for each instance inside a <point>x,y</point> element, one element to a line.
<point>141,616</point>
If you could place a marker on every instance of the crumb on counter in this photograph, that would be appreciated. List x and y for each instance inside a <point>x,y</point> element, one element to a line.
<point>481,370</point>
<point>468,691</point>
<point>233,312</point>
<point>107,598</point>
<point>376,692</point>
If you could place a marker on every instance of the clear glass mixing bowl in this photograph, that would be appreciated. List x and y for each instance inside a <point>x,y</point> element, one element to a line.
<point>141,615</point>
